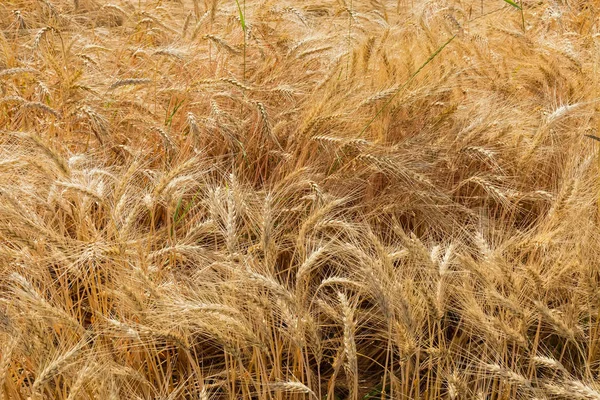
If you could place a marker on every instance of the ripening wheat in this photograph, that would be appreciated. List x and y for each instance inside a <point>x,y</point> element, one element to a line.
<point>320,199</point>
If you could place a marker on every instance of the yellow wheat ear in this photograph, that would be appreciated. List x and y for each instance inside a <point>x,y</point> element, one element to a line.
<point>284,200</point>
<point>242,16</point>
<point>408,81</point>
<point>598,163</point>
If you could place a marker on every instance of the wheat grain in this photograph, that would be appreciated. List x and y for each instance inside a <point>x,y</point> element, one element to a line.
<point>205,208</point>
<point>292,387</point>
<point>18,71</point>
<point>349,343</point>
<point>130,82</point>
<point>56,365</point>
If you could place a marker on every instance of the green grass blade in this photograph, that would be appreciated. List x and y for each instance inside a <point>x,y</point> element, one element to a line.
<point>169,118</point>
<point>243,23</point>
<point>242,18</point>
<point>176,213</point>
<point>177,217</point>
<point>512,3</point>
<point>387,103</point>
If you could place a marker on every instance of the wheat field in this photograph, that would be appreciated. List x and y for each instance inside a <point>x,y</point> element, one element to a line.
<point>321,199</point>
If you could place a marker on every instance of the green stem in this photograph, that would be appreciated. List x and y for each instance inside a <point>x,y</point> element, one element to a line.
<point>414,74</point>
<point>522,16</point>
<point>349,39</point>
<point>242,13</point>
